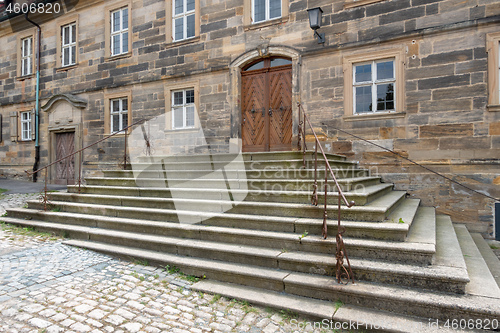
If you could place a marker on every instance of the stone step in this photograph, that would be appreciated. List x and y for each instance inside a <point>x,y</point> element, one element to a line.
<point>389,231</point>
<point>420,303</point>
<point>194,211</point>
<point>346,184</point>
<point>260,165</point>
<point>482,282</point>
<point>244,174</point>
<point>489,257</point>
<point>73,226</point>
<point>283,259</point>
<point>394,228</point>
<point>247,156</point>
<point>324,314</point>
<point>361,197</point>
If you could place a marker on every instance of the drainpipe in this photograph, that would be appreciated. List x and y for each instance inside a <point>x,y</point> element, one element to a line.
<point>37,102</point>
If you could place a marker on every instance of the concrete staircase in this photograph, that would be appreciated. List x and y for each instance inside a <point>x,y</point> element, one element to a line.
<point>245,223</point>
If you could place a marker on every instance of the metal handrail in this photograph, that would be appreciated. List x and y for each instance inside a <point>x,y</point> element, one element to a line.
<point>343,273</point>
<point>80,151</point>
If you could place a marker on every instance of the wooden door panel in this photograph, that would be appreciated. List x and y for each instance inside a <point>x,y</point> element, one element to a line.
<point>65,169</point>
<point>253,111</point>
<point>280,120</point>
<point>267,109</point>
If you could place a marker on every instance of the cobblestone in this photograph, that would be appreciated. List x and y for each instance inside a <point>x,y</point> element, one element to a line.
<point>46,286</point>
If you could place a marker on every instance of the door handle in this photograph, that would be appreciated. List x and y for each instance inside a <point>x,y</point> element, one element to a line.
<point>270,111</point>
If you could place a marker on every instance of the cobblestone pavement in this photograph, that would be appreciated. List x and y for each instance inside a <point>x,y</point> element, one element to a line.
<point>46,286</point>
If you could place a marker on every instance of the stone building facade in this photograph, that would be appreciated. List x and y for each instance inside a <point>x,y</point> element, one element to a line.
<point>420,77</point>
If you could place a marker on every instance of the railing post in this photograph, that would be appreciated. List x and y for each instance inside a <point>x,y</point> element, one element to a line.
<point>304,142</point>
<point>325,213</point>
<point>45,199</point>
<point>314,197</point>
<point>125,152</point>
<point>80,172</point>
<point>299,142</point>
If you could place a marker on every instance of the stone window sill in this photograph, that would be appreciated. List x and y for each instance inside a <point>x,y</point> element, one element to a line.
<point>66,68</point>
<point>183,42</point>
<point>375,116</point>
<point>353,4</point>
<point>493,108</point>
<point>182,130</point>
<point>25,77</point>
<point>264,24</point>
<point>119,56</point>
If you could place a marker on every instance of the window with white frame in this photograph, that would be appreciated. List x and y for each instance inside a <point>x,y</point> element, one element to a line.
<point>264,10</point>
<point>119,31</point>
<point>26,126</point>
<point>183,19</point>
<point>183,109</point>
<point>374,86</point>
<point>68,44</point>
<point>119,114</point>
<point>26,56</point>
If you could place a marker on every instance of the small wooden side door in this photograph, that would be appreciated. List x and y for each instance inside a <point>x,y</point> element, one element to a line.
<point>65,169</point>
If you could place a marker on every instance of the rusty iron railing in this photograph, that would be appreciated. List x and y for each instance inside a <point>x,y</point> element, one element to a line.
<point>343,273</point>
<point>44,197</point>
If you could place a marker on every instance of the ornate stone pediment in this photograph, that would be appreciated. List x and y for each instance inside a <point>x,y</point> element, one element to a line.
<point>64,110</point>
<point>75,101</point>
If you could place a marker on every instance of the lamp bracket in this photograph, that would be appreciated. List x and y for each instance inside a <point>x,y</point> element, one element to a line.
<point>321,37</point>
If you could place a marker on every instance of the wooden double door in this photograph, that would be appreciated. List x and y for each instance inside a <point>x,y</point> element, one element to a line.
<point>267,105</point>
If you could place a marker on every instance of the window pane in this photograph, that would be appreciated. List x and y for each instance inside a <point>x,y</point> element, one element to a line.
<point>189,96</point>
<point>259,10</point>
<point>125,18</point>
<point>26,70</point>
<point>190,5</point>
<point>73,54</point>
<point>258,65</point>
<point>179,28</point>
<point>115,120</point>
<point>280,62</point>
<point>66,56</point>
<point>124,104</point>
<point>73,33</point>
<point>125,42</point>
<point>124,120</point>
<point>66,35</point>
<point>190,26</point>
<point>178,98</point>
<point>363,99</point>
<point>178,121</point>
<point>116,44</point>
<point>385,70</point>
<point>115,25</point>
<point>363,73</point>
<point>274,8</point>
<point>115,105</point>
<point>385,97</point>
<point>179,7</point>
<point>190,116</point>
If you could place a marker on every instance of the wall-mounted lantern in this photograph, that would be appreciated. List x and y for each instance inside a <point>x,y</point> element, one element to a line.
<point>315,15</point>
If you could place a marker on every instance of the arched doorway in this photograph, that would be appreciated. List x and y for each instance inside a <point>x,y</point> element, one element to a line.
<point>266,105</point>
